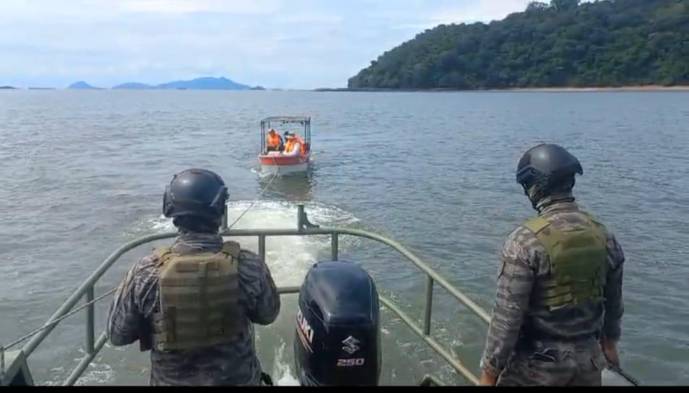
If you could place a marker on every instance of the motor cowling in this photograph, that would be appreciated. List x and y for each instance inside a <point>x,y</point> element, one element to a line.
<point>337,338</point>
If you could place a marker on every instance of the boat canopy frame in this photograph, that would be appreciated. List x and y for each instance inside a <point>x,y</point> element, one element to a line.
<point>270,122</point>
<point>17,359</point>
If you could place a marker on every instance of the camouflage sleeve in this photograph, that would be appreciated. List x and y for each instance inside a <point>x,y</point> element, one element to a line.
<point>133,303</point>
<point>614,307</point>
<point>261,298</point>
<point>515,281</point>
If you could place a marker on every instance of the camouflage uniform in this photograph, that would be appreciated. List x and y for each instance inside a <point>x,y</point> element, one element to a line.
<point>528,344</point>
<point>137,298</point>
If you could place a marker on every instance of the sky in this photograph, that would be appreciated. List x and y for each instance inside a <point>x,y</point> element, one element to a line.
<point>293,44</point>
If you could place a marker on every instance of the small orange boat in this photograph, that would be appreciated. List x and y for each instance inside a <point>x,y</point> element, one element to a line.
<point>277,162</point>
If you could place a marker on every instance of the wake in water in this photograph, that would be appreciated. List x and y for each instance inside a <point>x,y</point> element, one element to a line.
<point>282,374</point>
<point>288,257</point>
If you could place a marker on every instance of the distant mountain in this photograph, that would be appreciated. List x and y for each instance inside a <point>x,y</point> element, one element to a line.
<point>205,84</point>
<point>134,86</point>
<point>7,88</point>
<point>81,85</point>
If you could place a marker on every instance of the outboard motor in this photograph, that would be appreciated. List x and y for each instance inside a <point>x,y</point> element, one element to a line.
<point>338,335</point>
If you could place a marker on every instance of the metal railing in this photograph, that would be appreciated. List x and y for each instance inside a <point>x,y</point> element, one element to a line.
<point>304,228</point>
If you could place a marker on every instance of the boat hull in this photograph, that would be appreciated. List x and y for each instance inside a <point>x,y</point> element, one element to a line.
<point>280,165</point>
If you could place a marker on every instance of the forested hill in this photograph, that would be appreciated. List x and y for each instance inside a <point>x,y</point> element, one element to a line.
<point>566,43</point>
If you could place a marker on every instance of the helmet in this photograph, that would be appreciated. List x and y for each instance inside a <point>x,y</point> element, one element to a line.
<point>195,192</point>
<point>546,167</point>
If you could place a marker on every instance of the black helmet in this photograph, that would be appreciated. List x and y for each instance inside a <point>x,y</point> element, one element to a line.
<point>547,167</point>
<point>197,193</point>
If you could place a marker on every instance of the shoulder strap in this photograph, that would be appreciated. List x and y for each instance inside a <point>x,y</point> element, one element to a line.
<point>593,219</point>
<point>537,224</point>
<point>232,249</point>
<point>163,254</point>
<point>602,230</point>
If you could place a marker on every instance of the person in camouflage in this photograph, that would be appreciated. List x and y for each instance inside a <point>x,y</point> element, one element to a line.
<point>558,308</point>
<point>188,346</point>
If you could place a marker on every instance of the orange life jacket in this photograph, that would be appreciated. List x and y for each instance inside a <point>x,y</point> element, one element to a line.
<point>274,141</point>
<point>289,146</point>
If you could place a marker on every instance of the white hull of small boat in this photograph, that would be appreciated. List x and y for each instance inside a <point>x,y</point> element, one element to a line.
<point>281,170</point>
<point>282,165</point>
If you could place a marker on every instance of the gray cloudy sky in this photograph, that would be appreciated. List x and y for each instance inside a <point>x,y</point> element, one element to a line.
<point>274,43</point>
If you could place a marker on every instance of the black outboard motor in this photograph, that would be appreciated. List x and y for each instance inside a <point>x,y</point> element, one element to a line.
<point>338,335</point>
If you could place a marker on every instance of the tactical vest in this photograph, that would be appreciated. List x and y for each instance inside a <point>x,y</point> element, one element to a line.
<point>578,258</point>
<point>199,299</point>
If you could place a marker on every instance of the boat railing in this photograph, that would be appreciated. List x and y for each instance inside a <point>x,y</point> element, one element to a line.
<point>14,366</point>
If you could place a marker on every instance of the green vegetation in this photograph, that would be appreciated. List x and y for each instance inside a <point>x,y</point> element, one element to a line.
<point>609,43</point>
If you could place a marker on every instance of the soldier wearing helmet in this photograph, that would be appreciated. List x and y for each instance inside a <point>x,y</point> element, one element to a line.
<point>193,304</point>
<point>558,309</point>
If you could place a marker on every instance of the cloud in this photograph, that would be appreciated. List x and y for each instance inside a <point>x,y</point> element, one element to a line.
<point>276,43</point>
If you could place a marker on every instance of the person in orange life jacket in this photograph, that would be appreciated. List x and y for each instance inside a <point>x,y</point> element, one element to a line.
<point>294,145</point>
<point>274,141</point>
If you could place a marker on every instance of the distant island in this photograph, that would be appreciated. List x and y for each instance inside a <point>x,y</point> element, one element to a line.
<point>81,85</point>
<point>133,86</point>
<point>7,88</point>
<point>205,83</point>
<point>563,44</point>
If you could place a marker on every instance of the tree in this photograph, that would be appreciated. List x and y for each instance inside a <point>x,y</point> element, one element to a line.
<point>536,6</point>
<point>564,5</point>
<point>564,43</point>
